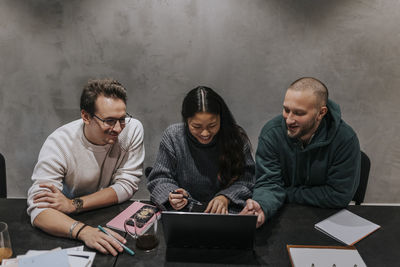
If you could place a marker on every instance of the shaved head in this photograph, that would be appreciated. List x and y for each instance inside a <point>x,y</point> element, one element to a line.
<point>304,108</point>
<point>317,87</point>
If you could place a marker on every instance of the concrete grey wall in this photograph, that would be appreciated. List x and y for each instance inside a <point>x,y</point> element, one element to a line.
<point>248,50</point>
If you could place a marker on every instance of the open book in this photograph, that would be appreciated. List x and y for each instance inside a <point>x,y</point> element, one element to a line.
<point>346,227</point>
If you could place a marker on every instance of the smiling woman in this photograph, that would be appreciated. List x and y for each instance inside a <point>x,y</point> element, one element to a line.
<point>204,126</point>
<point>206,158</point>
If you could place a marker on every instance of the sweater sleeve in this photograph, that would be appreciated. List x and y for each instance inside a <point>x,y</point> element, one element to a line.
<point>50,169</point>
<point>269,189</point>
<point>161,179</point>
<point>341,182</point>
<point>126,178</point>
<point>242,188</point>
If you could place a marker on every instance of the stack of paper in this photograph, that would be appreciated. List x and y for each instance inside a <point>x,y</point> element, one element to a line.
<point>71,257</point>
<point>346,227</point>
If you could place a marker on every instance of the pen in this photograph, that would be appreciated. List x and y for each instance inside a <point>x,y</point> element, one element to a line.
<point>189,199</point>
<point>122,245</point>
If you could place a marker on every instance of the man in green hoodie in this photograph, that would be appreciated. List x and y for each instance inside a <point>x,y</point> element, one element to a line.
<point>307,155</point>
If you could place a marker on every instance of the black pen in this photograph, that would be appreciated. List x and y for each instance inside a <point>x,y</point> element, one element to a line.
<point>189,198</point>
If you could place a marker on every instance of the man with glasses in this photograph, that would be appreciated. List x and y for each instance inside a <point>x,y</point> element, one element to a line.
<point>89,163</point>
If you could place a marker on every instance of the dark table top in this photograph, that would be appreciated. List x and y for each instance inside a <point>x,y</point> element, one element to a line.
<point>25,237</point>
<point>294,224</point>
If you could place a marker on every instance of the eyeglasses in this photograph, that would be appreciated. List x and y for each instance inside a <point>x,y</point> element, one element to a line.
<point>112,122</point>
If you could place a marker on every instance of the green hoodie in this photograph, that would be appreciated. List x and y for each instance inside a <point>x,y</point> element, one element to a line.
<point>325,173</point>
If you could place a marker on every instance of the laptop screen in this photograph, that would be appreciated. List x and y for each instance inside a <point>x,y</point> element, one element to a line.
<point>205,230</point>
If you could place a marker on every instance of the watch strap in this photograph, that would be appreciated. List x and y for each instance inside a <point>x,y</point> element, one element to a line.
<point>78,204</point>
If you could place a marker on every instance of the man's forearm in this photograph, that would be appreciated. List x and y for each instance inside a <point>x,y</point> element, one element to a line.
<point>102,198</point>
<point>58,223</point>
<point>55,223</point>
<point>321,196</point>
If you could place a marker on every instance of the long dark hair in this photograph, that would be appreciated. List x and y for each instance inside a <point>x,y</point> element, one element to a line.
<point>231,137</point>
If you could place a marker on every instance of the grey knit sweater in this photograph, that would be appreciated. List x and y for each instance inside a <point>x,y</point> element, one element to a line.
<point>175,167</point>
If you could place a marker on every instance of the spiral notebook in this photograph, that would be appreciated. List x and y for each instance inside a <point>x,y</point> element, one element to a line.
<point>346,227</point>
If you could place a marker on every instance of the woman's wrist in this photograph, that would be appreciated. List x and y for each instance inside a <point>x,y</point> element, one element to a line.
<point>225,199</point>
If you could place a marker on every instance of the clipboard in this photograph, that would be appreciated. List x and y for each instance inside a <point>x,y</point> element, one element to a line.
<point>317,256</point>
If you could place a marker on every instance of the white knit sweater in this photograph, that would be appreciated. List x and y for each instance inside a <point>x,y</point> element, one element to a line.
<point>78,168</point>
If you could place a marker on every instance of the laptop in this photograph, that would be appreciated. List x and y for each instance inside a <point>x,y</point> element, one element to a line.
<point>208,231</point>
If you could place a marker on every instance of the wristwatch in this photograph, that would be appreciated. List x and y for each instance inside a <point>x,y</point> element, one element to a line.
<point>78,204</point>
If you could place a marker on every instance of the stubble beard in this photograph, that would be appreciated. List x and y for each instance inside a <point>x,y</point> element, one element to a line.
<point>303,130</point>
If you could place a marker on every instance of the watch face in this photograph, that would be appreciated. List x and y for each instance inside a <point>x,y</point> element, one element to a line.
<point>78,203</point>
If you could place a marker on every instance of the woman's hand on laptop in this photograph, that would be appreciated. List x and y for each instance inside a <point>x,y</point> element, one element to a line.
<point>218,204</point>
<point>252,207</point>
<point>178,199</point>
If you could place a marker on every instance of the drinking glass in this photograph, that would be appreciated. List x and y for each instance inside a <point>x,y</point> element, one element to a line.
<point>145,235</point>
<point>5,243</point>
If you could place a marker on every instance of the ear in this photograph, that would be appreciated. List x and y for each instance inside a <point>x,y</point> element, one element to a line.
<point>85,117</point>
<point>322,112</point>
